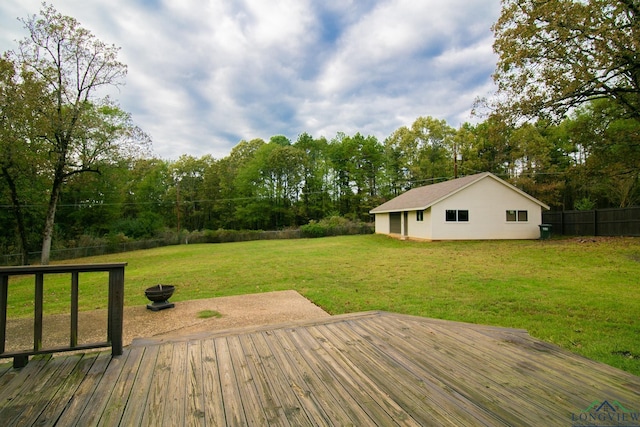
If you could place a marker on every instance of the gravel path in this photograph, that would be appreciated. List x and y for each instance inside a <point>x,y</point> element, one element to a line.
<point>139,322</point>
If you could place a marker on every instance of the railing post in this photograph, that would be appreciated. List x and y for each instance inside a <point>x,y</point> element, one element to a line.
<point>4,288</point>
<point>37,312</point>
<point>116,310</point>
<point>73,339</point>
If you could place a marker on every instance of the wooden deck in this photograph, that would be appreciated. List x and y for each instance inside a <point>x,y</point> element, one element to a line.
<point>363,369</point>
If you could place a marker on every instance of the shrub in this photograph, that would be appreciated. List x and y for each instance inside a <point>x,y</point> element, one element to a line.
<point>313,229</point>
<point>335,226</point>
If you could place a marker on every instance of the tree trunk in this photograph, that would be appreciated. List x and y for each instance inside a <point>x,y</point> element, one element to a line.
<point>22,231</point>
<point>47,234</point>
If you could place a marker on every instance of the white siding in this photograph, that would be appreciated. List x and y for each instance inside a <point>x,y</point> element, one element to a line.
<point>382,223</point>
<point>419,229</point>
<point>487,202</point>
<point>428,224</point>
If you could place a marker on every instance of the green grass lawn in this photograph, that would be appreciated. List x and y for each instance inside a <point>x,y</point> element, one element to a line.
<point>581,294</point>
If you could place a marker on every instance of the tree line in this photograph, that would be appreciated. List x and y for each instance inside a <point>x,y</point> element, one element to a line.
<point>276,184</point>
<point>563,126</point>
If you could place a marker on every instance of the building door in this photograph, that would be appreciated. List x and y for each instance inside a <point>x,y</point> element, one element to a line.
<point>395,223</point>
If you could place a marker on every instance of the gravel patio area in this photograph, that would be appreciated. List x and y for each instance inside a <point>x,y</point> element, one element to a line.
<point>139,322</point>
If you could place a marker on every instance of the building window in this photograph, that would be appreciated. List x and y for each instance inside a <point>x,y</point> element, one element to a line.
<point>419,215</point>
<point>457,216</point>
<point>517,216</point>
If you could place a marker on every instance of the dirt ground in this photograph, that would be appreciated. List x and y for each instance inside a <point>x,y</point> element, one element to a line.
<point>139,322</point>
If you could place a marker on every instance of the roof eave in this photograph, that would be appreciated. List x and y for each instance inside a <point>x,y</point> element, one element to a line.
<point>446,196</point>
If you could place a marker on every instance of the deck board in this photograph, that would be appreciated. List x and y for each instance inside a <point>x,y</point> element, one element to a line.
<point>360,388</point>
<point>316,402</point>
<point>175,388</point>
<point>416,394</point>
<point>265,396</point>
<point>133,413</point>
<point>158,390</point>
<point>27,407</point>
<point>66,391</point>
<point>371,368</point>
<point>194,387</point>
<point>319,376</point>
<point>499,384</point>
<point>72,412</point>
<point>433,375</point>
<point>213,405</point>
<point>121,389</point>
<point>275,384</point>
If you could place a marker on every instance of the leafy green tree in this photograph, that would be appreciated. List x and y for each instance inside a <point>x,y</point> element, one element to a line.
<point>341,174</point>
<point>279,140</point>
<point>356,164</point>
<point>146,198</point>
<point>610,142</point>
<point>83,128</point>
<point>395,173</point>
<point>365,165</point>
<point>220,193</point>
<point>554,177</point>
<point>558,54</point>
<point>22,98</point>
<point>235,187</point>
<point>421,154</point>
<point>315,202</point>
<point>189,174</point>
<point>92,203</point>
<point>536,170</point>
<point>488,149</point>
<point>435,139</point>
<point>272,182</point>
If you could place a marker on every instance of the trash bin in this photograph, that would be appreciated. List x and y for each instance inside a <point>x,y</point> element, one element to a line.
<point>545,231</point>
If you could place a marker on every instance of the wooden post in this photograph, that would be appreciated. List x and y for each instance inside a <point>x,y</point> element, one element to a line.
<point>38,308</point>
<point>4,288</point>
<point>73,339</point>
<point>116,310</point>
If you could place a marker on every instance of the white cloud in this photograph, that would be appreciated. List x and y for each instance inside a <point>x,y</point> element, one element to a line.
<point>203,75</point>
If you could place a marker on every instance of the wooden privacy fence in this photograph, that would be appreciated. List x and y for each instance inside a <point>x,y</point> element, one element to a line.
<point>114,317</point>
<point>599,222</point>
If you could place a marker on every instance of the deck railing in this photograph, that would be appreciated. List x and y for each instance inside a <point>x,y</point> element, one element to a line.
<point>114,317</point>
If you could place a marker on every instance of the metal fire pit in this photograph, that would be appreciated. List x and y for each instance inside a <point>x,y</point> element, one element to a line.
<point>159,294</point>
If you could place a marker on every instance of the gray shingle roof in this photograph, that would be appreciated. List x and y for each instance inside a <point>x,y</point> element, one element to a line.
<point>423,197</point>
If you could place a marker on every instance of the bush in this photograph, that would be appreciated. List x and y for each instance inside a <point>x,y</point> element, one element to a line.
<point>144,226</point>
<point>313,229</point>
<point>119,241</point>
<point>335,226</point>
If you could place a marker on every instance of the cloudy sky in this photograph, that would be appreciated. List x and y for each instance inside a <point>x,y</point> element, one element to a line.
<point>203,75</point>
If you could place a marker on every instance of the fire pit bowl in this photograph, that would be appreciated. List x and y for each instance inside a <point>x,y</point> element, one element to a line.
<point>159,294</point>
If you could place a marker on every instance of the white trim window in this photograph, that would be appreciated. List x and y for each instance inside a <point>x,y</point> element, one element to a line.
<point>517,216</point>
<point>457,215</point>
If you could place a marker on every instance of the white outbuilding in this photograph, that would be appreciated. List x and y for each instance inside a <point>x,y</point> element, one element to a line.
<point>474,207</point>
